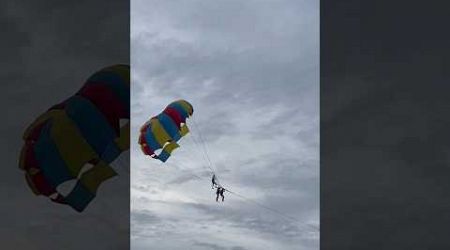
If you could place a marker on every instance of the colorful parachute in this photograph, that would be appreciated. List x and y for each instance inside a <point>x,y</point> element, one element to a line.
<point>163,131</point>
<point>78,139</point>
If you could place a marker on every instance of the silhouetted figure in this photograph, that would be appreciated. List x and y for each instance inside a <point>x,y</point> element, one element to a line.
<point>217,194</point>
<point>213,180</point>
<point>221,193</point>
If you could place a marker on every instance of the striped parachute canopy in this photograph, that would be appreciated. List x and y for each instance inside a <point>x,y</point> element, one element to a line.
<point>77,139</point>
<point>163,131</point>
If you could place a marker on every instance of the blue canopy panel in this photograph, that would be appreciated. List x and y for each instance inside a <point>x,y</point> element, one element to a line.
<point>112,151</point>
<point>94,127</point>
<point>79,198</point>
<point>167,150</point>
<point>169,126</point>
<point>151,140</point>
<point>163,156</point>
<point>49,160</point>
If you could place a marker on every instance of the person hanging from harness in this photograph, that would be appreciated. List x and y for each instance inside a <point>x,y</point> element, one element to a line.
<point>220,191</point>
<point>213,180</point>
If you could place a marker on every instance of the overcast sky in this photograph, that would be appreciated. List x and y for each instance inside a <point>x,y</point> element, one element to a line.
<point>251,71</point>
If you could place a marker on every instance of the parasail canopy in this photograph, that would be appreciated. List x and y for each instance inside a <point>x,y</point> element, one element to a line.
<point>78,138</point>
<point>159,136</point>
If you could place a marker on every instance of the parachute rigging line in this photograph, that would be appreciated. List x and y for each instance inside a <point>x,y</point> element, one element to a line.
<point>198,147</point>
<point>205,150</point>
<point>243,197</point>
<point>261,205</point>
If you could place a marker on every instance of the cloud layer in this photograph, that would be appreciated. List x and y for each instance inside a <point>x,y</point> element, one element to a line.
<point>251,71</point>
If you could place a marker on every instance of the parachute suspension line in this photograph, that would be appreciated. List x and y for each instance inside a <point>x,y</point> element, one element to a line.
<point>192,153</point>
<point>181,169</point>
<point>202,147</point>
<point>197,146</point>
<point>205,150</point>
<point>198,150</point>
<point>262,206</point>
<point>205,163</point>
<point>287,217</point>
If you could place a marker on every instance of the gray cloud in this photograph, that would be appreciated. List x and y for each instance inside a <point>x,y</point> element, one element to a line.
<point>205,245</point>
<point>250,69</point>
